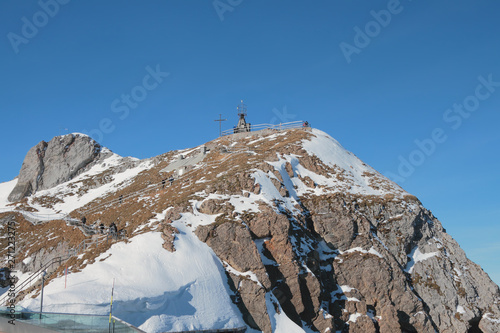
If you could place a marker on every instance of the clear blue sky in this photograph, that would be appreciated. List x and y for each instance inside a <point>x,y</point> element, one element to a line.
<point>376,91</point>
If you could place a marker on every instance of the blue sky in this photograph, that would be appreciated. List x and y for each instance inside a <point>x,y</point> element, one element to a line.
<point>376,75</point>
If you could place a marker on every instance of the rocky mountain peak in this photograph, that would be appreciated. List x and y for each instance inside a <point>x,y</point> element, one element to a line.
<point>307,237</point>
<point>51,163</point>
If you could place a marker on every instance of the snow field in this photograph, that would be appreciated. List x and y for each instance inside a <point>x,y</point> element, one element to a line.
<point>155,290</point>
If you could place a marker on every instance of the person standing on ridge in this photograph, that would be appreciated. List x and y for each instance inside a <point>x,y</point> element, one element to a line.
<point>113,230</point>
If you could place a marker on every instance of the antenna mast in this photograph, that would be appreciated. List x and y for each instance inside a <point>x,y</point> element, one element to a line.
<point>242,110</point>
<point>242,126</point>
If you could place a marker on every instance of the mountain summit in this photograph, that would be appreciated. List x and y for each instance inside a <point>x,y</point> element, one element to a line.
<point>50,163</point>
<point>275,231</point>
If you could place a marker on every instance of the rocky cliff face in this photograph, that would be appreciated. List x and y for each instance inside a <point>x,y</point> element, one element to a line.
<point>367,258</point>
<point>303,229</point>
<point>51,163</point>
<point>357,264</point>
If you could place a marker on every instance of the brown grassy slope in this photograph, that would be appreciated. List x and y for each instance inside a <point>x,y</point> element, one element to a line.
<point>30,238</point>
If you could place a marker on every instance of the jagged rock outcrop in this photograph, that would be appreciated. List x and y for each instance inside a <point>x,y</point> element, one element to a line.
<point>51,163</point>
<point>168,236</point>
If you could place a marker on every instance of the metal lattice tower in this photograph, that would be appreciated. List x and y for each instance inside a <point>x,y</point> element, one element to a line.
<point>242,126</point>
<point>242,110</point>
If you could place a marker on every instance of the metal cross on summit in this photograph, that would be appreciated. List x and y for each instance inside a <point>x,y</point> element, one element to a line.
<point>220,120</point>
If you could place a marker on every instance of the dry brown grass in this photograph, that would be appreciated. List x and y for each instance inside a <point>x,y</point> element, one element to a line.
<point>47,201</point>
<point>30,239</point>
<point>427,282</point>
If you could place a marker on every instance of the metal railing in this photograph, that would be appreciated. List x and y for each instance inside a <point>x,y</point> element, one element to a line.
<point>85,244</point>
<point>279,127</point>
<point>71,322</point>
<point>220,330</point>
<point>33,277</point>
<point>38,218</point>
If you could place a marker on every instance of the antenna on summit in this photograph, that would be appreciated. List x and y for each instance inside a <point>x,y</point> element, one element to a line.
<point>242,126</point>
<point>242,110</point>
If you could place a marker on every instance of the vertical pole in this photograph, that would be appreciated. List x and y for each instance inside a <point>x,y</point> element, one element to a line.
<point>111,305</point>
<point>220,124</point>
<point>41,301</point>
<point>66,276</point>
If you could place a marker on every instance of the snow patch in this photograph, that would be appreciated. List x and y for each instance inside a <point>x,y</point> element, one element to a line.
<point>260,246</point>
<point>488,317</point>
<point>5,189</point>
<point>460,309</point>
<point>249,274</point>
<point>354,316</point>
<point>269,193</point>
<point>417,256</point>
<point>242,204</point>
<point>340,292</point>
<point>280,322</point>
<point>362,251</point>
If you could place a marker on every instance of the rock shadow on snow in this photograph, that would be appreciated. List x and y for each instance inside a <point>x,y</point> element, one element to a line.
<point>172,304</point>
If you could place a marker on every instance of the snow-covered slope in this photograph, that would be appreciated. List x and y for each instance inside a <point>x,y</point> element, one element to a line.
<point>358,178</point>
<point>155,290</point>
